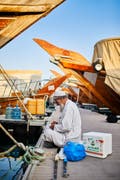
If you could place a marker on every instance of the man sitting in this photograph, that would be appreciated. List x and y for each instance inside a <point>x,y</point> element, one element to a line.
<point>68,126</point>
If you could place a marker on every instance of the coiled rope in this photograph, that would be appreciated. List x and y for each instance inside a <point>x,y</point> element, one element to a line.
<point>30,154</point>
<point>5,153</point>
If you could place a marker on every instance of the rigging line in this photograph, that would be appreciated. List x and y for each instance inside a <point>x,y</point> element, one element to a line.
<point>8,79</point>
<point>10,82</point>
<point>11,137</point>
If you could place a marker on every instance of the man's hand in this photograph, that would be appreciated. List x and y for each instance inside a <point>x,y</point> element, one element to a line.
<point>53,124</point>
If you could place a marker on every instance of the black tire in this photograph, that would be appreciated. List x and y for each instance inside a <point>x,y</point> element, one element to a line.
<point>111,118</point>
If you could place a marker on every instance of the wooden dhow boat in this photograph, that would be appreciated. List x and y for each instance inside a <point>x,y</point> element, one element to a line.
<point>50,87</point>
<point>16,17</point>
<point>69,86</point>
<point>47,90</point>
<point>93,77</point>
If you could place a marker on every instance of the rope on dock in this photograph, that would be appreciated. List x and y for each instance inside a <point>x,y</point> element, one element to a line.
<point>30,152</point>
<point>20,145</point>
<point>5,153</point>
<point>31,155</point>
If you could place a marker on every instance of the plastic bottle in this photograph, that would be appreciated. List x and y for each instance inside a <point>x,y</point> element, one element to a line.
<point>16,112</point>
<point>8,112</point>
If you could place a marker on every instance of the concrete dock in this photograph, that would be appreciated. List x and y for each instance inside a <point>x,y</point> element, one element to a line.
<point>90,168</point>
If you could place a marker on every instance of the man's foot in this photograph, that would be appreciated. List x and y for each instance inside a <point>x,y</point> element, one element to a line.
<point>49,144</point>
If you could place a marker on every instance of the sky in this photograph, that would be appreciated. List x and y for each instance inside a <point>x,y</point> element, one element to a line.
<point>74,25</point>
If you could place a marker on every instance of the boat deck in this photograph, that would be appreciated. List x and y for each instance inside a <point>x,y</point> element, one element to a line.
<point>35,122</point>
<point>89,168</point>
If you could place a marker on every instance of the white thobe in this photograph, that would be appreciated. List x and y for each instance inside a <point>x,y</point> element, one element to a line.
<point>68,127</point>
<point>55,115</point>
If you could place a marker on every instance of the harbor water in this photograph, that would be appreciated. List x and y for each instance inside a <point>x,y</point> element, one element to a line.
<point>11,168</point>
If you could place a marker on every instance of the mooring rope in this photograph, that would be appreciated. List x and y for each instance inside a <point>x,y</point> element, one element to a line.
<point>20,145</point>
<point>30,152</point>
<point>31,155</point>
<point>5,153</point>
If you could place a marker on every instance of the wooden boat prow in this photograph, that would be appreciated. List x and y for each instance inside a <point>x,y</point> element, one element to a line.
<point>59,53</point>
<point>77,65</point>
<point>53,84</point>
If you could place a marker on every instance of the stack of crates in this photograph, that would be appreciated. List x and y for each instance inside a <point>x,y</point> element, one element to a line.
<point>36,106</point>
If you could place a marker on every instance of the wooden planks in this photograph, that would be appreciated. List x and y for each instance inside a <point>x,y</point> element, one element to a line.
<point>25,13</point>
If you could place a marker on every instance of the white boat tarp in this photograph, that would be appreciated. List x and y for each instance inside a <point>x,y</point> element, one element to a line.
<point>109,52</point>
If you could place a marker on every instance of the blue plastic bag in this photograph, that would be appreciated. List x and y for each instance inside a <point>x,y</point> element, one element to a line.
<point>74,151</point>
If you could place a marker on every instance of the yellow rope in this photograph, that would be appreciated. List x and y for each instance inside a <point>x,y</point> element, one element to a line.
<point>2,154</point>
<point>20,145</point>
<point>30,153</point>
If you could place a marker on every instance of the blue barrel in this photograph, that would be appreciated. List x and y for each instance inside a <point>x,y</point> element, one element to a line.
<point>8,112</point>
<point>16,113</point>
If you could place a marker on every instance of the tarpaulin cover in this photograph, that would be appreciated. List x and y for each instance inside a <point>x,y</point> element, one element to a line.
<point>109,51</point>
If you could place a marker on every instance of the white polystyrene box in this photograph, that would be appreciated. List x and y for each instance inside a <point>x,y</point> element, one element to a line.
<point>97,144</point>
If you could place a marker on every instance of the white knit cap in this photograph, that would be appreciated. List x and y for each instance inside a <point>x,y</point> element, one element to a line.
<point>59,93</point>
